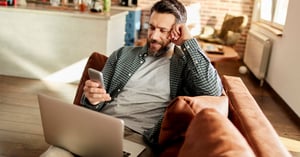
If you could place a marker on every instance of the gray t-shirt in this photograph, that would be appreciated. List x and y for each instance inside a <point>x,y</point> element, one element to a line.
<point>145,96</point>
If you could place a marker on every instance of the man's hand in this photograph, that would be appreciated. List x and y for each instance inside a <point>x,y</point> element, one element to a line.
<point>179,34</point>
<point>95,93</point>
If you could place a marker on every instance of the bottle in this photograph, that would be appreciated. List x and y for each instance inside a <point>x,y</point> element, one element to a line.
<point>55,3</point>
<point>82,5</point>
<point>106,6</point>
<point>10,2</point>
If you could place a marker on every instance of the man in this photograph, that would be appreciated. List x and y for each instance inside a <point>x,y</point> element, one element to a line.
<point>141,81</point>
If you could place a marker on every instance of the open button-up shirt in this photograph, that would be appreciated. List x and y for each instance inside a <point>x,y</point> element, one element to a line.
<point>191,74</point>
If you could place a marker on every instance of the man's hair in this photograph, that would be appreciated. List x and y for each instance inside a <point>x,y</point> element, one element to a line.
<point>171,7</point>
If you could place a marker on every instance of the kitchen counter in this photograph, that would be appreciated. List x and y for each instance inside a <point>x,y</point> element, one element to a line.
<point>66,11</point>
<point>52,44</point>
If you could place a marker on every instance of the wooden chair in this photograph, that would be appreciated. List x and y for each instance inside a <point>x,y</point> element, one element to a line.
<point>230,32</point>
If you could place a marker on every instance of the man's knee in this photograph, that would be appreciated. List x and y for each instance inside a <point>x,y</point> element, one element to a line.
<point>53,151</point>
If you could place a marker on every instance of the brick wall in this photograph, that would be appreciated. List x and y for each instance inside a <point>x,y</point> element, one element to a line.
<point>207,10</point>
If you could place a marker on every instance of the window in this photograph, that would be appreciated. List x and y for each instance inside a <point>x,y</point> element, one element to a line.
<point>266,10</point>
<point>273,12</point>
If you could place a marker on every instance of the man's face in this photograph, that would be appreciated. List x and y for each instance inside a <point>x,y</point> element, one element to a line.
<point>159,30</point>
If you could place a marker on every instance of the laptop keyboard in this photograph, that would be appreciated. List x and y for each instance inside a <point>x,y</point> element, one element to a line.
<point>126,154</point>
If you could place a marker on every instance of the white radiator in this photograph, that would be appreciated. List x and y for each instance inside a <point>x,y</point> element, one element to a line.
<point>257,54</point>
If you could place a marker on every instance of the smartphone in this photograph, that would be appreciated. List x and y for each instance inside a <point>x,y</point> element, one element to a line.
<point>96,76</point>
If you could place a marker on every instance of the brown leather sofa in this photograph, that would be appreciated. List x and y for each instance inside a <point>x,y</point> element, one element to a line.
<point>210,126</point>
<point>209,132</point>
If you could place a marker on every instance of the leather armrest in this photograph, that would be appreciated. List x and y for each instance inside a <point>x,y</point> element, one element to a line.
<point>211,134</point>
<point>247,116</point>
<point>183,109</point>
<point>96,61</point>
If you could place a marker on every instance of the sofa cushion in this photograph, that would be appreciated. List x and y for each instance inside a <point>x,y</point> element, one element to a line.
<point>182,110</point>
<point>211,134</point>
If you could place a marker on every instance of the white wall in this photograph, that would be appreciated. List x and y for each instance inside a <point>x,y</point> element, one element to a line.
<point>283,72</point>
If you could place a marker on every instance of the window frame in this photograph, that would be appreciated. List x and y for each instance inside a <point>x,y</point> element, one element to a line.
<point>275,5</point>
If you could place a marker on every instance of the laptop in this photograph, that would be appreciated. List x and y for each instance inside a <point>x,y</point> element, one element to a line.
<point>84,132</point>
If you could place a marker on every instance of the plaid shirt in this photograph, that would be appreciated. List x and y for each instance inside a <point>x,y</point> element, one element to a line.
<point>191,74</point>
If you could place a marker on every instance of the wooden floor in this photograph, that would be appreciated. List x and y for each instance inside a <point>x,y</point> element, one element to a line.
<point>21,134</point>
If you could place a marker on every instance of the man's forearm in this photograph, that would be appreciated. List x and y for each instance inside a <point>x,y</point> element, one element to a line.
<point>204,77</point>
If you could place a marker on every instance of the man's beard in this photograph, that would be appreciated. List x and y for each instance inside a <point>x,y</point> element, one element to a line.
<point>162,51</point>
